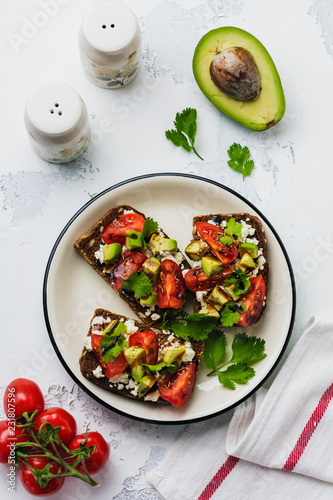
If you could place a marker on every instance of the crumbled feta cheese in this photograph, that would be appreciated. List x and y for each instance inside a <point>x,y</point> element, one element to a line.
<point>188,354</point>
<point>87,343</point>
<point>120,378</point>
<point>153,396</point>
<point>247,230</point>
<point>99,320</point>
<point>133,385</point>
<point>200,297</point>
<point>99,254</point>
<point>171,338</point>
<point>254,241</point>
<point>130,325</point>
<point>261,262</point>
<point>176,257</point>
<point>155,317</point>
<point>128,212</point>
<point>98,372</point>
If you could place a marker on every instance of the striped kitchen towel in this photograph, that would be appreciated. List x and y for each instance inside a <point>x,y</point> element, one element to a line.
<point>278,444</point>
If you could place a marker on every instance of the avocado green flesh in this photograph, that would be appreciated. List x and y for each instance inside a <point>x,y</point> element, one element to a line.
<point>269,107</point>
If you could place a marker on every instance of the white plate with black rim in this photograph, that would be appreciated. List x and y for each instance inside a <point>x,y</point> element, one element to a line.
<point>73,290</point>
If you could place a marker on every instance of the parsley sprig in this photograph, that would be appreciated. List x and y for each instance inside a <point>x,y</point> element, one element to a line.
<point>246,351</point>
<point>240,282</point>
<point>230,314</point>
<point>149,227</point>
<point>185,130</point>
<point>240,159</point>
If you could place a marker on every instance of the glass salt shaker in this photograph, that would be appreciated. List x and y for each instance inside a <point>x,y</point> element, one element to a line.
<point>110,44</point>
<point>57,122</point>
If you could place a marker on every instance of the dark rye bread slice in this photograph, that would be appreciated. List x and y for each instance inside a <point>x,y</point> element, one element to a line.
<point>89,362</point>
<point>259,234</point>
<point>90,242</point>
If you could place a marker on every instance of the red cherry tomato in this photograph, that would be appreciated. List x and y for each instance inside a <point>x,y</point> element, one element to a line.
<point>58,417</point>
<point>109,369</point>
<point>130,262</point>
<point>9,435</point>
<point>99,458</point>
<point>253,301</point>
<point>177,387</point>
<point>147,341</point>
<point>170,286</point>
<point>115,231</point>
<point>196,280</point>
<point>22,395</point>
<point>212,234</point>
<point>29,482</point>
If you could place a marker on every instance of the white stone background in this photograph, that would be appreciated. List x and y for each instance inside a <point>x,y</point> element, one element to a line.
<point>291,182</point>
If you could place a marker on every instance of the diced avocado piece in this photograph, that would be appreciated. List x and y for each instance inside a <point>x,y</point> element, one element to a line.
<point>146,383</point>
<point>236,73</point>
<point>151,267</point>
<point>158,244</point>
<point>134,241</point>
<point>217,298</point>
<point>137,372</point>
<point>209,310</point>
<point>134,355</point>
<point>211,266</point>
<point>230,291</point>
<point>174,354</point>
<point>115,326</point>
<point>149,300</point>
<point>246,263</point>
<point>249,248</point>
<point>196,249</point>
<point>112,253</point>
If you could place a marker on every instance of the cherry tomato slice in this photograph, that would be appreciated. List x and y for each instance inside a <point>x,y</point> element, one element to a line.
<point>177,387</point>
<point>109,369</point>
<point>170,286</point>
<point>22,395</point>
<point>115,231</point>
<point>29,482</point>
<point>10,434</point>
<point>99,458</point>
<point>212,234</point>
<point>147,341</point>
<point>130,262</point>
<point>196,280</point>
<point>253,301</point>
<point>58,417</point>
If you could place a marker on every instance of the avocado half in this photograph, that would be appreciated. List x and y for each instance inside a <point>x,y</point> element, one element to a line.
<point>259,114</point>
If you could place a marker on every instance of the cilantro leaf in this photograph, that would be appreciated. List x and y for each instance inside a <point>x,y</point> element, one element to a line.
<point>240,159</point>
<point>239,373</point>
<point>240,282</point>
<point>233,228</point>
<point>162,368</point>
<point>186,130</point>
<point>226,240</point>
<point>195,326</point>
<point>246,349</point>
<point>229,316</point>
<point>140,284</point>
<point>214,350</point>
<point>112,346</point>
<point>149,227</point>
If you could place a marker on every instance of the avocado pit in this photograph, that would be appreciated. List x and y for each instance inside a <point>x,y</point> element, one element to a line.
<point>234,71</point>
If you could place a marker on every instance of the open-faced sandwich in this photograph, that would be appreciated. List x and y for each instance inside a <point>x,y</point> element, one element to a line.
<point>138,260</point>
<point>230,273</point>
<point>123,357</point>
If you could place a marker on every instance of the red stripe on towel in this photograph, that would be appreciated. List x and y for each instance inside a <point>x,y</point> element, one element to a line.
<point>219,477</point>
<point>308,430</point>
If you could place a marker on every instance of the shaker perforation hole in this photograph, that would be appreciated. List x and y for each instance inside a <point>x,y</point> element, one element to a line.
<point>56,105</point>
<point>59,113</point>
<point>113,25</point>
<point>104,26</point>
<point>51,111</point>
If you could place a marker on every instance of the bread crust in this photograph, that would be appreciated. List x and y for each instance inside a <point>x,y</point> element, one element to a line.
<point>259,234</point>
<point>90,242</point>
<point>89,362</point>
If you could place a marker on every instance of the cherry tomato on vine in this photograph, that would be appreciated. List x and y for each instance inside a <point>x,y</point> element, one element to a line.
<point>115,231</point>
<point>58,417</point>
<point>177,387</point>
<point>9,433</point>
<point>97,459</point>
<point>212,234</point>
<point>22,395</point>
<point>29,482</point>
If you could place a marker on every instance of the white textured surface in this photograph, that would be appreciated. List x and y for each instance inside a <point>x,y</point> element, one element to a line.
<point>291,183</point>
